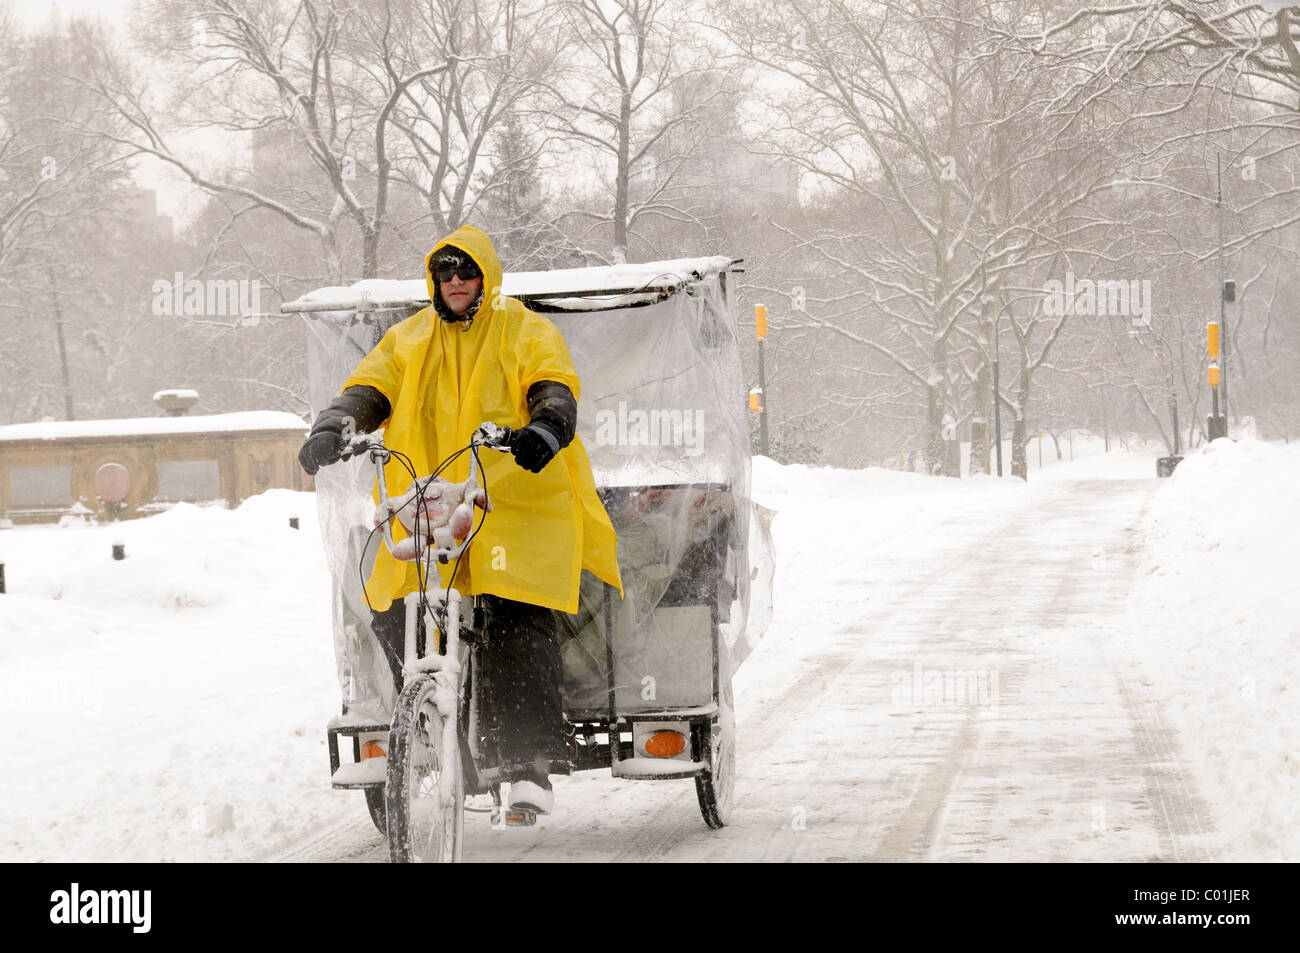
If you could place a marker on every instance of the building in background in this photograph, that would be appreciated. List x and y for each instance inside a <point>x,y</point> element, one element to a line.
<point>137,217</point>
<point>138,466</point>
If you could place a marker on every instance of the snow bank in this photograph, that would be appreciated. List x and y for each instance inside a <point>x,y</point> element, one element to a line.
<point>173,702</point>
<point>187,556</point>
<point>1217,612</point>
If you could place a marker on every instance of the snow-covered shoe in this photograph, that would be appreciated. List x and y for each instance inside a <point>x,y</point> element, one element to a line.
<point>530,795</point>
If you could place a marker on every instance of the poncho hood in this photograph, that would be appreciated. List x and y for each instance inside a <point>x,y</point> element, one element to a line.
<point>475,243</point>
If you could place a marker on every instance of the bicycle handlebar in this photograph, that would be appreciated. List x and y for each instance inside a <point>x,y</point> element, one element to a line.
<point>488,434</point>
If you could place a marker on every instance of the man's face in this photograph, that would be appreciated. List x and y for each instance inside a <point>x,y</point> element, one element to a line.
<point>459,293</point>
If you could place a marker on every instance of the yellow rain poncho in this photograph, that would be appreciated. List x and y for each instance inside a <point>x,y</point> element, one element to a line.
<point>442,381</point>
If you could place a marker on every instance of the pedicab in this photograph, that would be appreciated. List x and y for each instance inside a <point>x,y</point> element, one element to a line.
<point>647,677</point>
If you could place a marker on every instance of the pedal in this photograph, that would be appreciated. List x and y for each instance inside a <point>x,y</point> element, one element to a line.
<point>503,817</point>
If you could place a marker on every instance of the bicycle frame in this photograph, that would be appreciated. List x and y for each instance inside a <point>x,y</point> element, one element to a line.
<point>446,666</point>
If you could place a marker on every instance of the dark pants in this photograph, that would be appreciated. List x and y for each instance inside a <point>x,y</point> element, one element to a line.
<point>519,671</point>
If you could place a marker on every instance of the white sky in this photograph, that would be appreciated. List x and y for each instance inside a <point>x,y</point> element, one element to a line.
<point>32,13</point>
<point>176,196</point>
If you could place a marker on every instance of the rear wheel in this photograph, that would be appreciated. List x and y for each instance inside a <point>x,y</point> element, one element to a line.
<point>425,794</point>
<point>375,805</point>
<point>715,785</point>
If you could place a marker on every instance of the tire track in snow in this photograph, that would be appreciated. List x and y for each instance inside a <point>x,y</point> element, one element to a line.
<point>914,831</point>
<point>926,622</point>
<point>672,825</point>
<point>1182,822</point>
<point>342,840</point>
<point>1139,747</point>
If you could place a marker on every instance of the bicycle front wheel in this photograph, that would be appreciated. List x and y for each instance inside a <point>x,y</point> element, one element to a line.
<point>425,791</point>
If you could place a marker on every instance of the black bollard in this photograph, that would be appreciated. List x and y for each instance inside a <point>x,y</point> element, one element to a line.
<point>293,522</point>
<point>119,551</point>
<point>2,578</point>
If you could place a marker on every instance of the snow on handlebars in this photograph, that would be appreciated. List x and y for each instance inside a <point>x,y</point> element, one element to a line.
<point>437,514</point>
<point>432,510</point>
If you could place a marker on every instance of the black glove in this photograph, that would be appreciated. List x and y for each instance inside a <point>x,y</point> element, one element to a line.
<point>535,446</point>
<point>359,409</point>
<point>322,448</point>
<point>554,415</point>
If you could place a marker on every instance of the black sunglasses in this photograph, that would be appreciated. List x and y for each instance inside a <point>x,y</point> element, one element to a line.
<point>466,272</point>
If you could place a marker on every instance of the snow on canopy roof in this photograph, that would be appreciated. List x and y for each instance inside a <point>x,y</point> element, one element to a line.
<point>153,426</point>
<point>646,278</point>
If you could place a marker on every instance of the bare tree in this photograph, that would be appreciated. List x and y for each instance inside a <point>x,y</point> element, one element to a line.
<point>56,178</point>
<point>1199,78</point>
<point>464,130</point>
<point>961,193</point>
<point>289,74</point>
<point>636,103</point>
<point>1209,96</point>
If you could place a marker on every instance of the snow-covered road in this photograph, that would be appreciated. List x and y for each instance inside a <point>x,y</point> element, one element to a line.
<point>947,697</point>
<point>956,670</point>
<point>950,699</point>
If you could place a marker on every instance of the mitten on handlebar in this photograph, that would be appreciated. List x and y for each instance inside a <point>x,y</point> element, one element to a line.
<point>359,409</point>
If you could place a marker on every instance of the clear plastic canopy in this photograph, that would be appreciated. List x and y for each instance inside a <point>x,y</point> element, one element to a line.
<point>662,414</point>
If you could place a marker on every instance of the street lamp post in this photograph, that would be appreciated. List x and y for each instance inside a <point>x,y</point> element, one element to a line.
<point>760,325</point>
<point>1217,425</point>
<point>1173,414</point>
<point>997,396</point>
<point>1226,293</point>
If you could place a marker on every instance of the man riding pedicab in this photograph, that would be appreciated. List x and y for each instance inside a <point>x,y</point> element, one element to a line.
<point>475,355</point>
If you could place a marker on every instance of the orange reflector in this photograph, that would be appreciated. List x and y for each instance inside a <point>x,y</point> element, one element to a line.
<point>665,744</point>
<point>371,749</point>
<point>1214,376</point>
